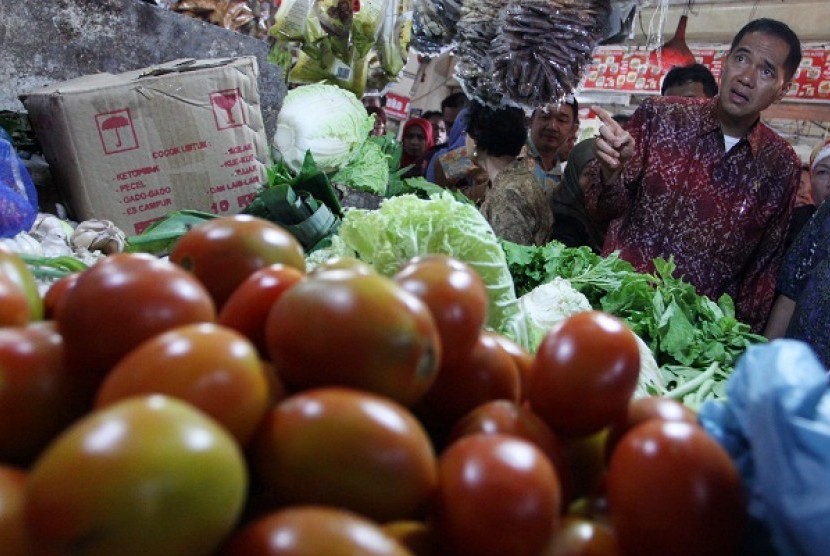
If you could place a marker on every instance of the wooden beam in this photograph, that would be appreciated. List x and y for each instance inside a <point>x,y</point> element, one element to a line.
<point>808,111</point>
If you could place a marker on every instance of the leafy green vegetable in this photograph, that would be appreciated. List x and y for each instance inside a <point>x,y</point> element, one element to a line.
<point>690,335</point>
<point>406,226</point>
<point>367,171</point>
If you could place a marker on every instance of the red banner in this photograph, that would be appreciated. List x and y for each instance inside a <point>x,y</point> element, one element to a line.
<point>397,106</point>
<point>620,70</point>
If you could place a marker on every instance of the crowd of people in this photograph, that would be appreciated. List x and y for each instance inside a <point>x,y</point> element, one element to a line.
<point>693,174</point>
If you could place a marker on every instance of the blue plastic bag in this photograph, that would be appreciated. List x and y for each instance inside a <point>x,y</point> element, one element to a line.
<point>776,426</point>
<point>18,196</point>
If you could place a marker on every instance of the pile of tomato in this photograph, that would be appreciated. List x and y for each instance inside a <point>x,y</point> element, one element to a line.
<point>229,401</point>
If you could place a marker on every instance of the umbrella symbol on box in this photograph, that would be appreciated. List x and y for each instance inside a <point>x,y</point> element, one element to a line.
<point>116,131</point>
<point>114,123</point>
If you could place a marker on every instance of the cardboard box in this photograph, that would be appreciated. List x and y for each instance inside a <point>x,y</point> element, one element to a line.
<point>134,146</point>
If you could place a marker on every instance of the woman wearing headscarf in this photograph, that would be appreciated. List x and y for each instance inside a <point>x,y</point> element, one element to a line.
<point>573,226</point>
<point>416,140</point>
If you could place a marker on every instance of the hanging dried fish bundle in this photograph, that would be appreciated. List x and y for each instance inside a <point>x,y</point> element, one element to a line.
<point>543,46</point>
<point>473,66</point>
<point>434,25</point>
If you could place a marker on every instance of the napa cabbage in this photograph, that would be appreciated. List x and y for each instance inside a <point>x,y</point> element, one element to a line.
<point>406,226</point>
<point>328,121</point>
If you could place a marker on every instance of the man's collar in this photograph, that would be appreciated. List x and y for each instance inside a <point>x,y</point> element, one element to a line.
<point>710,123</point>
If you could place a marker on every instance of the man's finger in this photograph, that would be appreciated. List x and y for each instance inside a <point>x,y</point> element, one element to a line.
<point>606,118</point>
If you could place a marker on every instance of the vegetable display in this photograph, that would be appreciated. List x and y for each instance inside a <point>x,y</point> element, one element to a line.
<point>696,341</point>
<point>197,438</point>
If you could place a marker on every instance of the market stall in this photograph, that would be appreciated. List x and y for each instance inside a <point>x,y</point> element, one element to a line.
<point>260,337</point>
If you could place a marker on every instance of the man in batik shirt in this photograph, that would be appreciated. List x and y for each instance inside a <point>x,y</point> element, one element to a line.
<point>703,180</point>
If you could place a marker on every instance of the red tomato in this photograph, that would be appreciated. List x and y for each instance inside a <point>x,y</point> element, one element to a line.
<point>224,251</point>
<point>582,537</point>
<point>149,475</point>
<point>123,300</point>
<point>13,539</point>
<point>312,531</point>
<point>38,396</point>
<point>487,373</point>
<point>13,268</point>
<point>343,265</point>
<point>497,495</point>
<point>212,367</point>
<point>584,373</point>
<point>55,295</point>
<point>247,308</point>
<point>355,330</point>
<point>507,417</point>
<point>14,307</point>
<point>349,449</point>
<point>641,410</point>
<point>523,360</point>
<point>456,297</point>
<point>672,489</point>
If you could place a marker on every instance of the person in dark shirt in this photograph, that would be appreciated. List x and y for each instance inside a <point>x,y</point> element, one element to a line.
<point>693,81</point>
<point>704,180</point>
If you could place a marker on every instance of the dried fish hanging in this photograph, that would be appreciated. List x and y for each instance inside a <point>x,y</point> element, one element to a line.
<point>544,45</point>
<point>434,25</point>
<point>476,30</point>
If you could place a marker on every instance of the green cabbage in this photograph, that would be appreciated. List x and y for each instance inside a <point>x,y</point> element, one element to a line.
<point>367,171</point>
<point>406,226</point>
<point>324,119</point>
<point>547,304</point>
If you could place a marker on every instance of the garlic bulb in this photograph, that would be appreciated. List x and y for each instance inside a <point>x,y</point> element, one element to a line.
<point>53,234</point>
<point>98,235</point>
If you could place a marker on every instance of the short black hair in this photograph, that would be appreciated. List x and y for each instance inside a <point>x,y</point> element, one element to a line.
<point>498,132</point>
<point>455,100</point>
<point>431,113</point>
<point>776,29</point>
<point>693,73</point>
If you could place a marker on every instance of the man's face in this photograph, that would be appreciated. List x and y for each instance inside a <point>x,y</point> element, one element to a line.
<point>753,76</point>
<point>690,89</point>
<point>551,127</point>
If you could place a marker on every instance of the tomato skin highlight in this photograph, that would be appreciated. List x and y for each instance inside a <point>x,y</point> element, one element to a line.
<point>497,495</point>
<point>354,330</point>
<point>223,252</point>
<point>640,411</point>
<point>312,531</point>
<point>672,489</point>
<point>346,448</point>
<point>123,300</point>
<point>584,373</point>
<point>214,368</point>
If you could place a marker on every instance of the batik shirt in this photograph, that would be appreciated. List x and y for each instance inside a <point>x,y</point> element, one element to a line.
<point>722,215</point>
<point>516,207</point>
<point>805,278</point>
